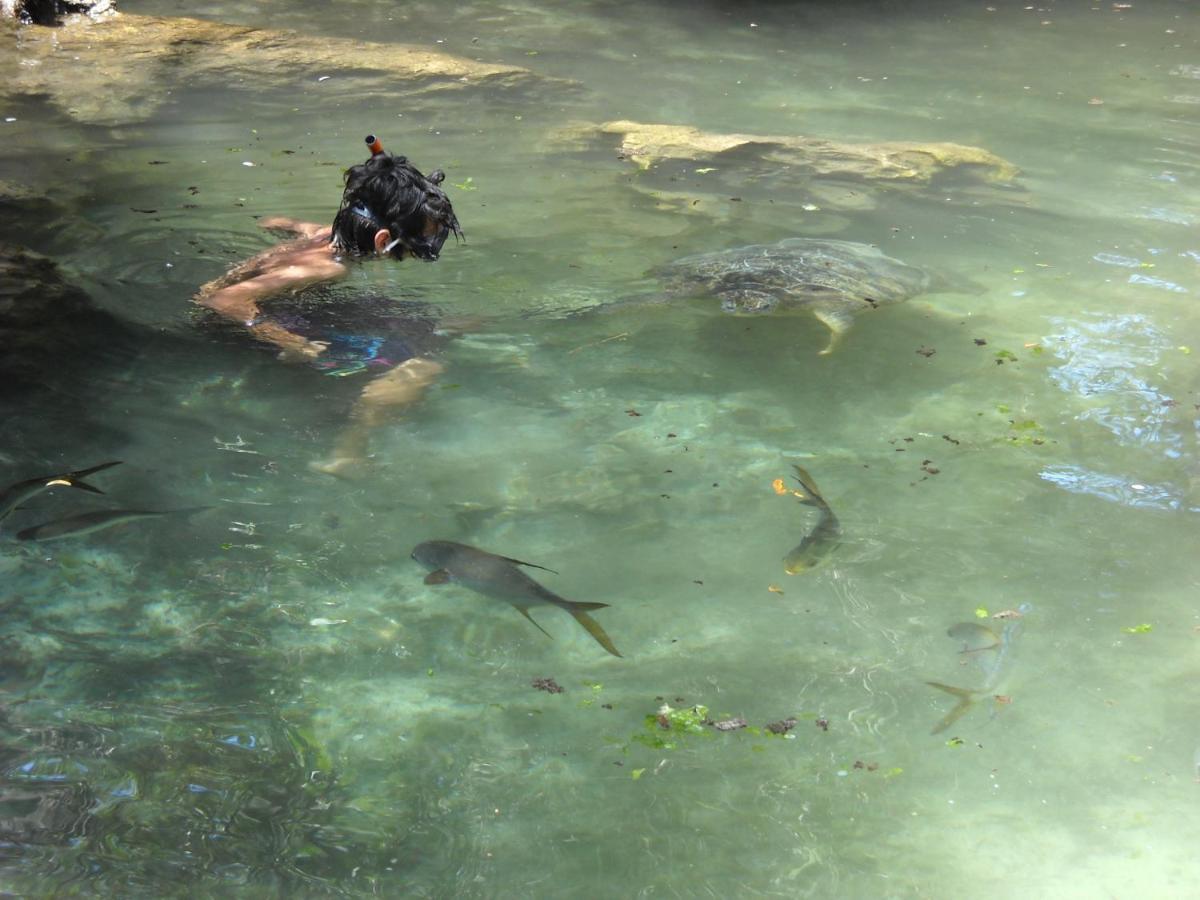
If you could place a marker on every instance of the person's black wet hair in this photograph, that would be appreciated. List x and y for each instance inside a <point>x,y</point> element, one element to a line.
<point>389,192</point>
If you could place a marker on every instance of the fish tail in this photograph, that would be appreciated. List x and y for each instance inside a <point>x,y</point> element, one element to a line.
<point>82,485</point>
<point>92,470</point>
<point>75,479</point>
<point>811,496</point>
<point>591,625</point>
<point>950,689</point>
<point>966,699</point>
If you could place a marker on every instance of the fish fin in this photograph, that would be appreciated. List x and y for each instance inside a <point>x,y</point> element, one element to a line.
<point>521,562</point>
<point>991,648</point>
<point>591,625</point>
<point>75,479</point>
<point>186,511</point>
<point>814,497</point>
<point>437,576</point>
<point>966,699</point>
<point>523,611</point>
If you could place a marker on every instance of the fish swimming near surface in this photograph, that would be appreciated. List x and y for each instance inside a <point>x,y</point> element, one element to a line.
<point>97,520</point>
<point>825,536</point>
<point>16,494</point>
<point>994,653</point>
<point>498,576</point>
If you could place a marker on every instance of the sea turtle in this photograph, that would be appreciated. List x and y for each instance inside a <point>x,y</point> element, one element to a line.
<point>836,280</point>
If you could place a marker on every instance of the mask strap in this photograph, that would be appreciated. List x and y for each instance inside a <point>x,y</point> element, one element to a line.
<point>366,214</point>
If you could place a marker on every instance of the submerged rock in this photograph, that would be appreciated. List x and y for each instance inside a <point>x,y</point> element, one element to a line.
<point>46,324</point>
<point>42,812</point>
<point>123,68</point>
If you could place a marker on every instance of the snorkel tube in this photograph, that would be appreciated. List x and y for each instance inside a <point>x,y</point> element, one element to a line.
<point>374,144</point>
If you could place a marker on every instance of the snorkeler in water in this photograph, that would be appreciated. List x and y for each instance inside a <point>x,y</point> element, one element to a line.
<point>388,209</point>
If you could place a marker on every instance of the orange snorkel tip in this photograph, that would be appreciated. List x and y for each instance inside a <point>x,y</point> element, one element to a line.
<point>374,144</point>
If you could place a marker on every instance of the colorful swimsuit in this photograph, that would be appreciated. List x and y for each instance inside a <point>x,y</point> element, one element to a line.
<point>364,332</point>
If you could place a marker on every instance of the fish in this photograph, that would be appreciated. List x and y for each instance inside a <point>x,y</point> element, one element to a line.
<point>975,636</point>
<point>16,494</point>
<point>97,520</point>
<point>498,576</point>
<point>993,653</point>
<point>825,536</point>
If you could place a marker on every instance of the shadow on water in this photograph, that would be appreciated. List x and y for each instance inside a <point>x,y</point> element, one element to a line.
<point>64,358</point>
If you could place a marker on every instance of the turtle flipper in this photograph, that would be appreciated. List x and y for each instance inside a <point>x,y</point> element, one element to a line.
<point>838,319</point>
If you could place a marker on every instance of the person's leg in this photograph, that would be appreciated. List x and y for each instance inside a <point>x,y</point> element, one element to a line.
<point>380,401</point>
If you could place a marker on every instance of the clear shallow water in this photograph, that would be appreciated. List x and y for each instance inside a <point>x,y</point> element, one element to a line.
<point>175,718</point>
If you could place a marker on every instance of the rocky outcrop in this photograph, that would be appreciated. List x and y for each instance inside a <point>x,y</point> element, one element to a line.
<point>52,12</point>
<point>896,161</point>
<point>121,69</point>
<point>711,174</point>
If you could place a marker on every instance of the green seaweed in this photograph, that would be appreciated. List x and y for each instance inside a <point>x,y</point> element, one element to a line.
<point>664,729</point>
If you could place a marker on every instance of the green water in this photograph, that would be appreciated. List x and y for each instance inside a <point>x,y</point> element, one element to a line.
<point>265,699</point>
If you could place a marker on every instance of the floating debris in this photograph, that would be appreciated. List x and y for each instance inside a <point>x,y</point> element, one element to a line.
<point>1008,614</point>
<point>730,724</point>
<point>549,685</point>
<point>783,726</point>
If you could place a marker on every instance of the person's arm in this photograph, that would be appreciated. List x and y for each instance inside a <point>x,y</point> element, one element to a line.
<point>292,226</point>
<point>239,302</point>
